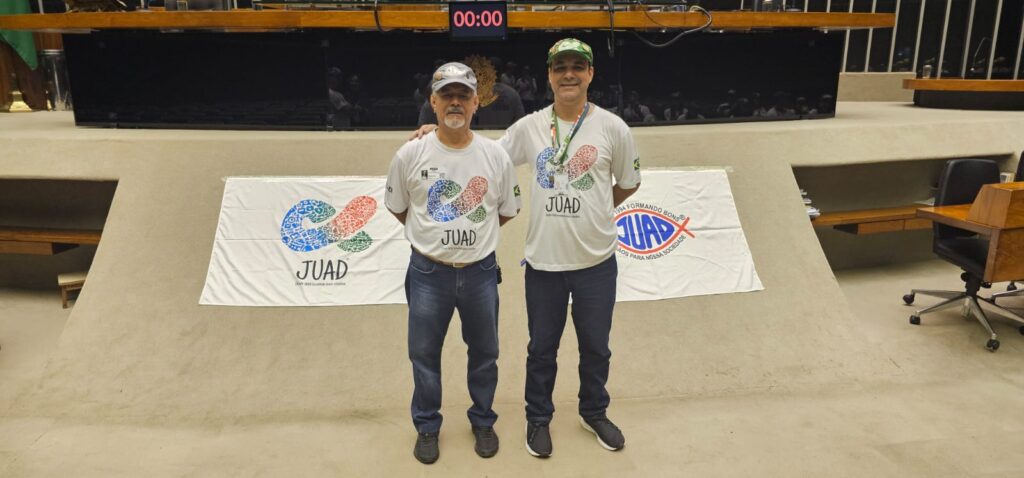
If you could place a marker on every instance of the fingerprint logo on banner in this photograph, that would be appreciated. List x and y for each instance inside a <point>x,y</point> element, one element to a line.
<point>464,202</point>
<point>344,229</point>
<point>578,168</point>
<point>649,232</point>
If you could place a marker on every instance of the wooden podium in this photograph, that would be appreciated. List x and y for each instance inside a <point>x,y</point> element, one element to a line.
<point>997,212</point>
<point>999,205</point>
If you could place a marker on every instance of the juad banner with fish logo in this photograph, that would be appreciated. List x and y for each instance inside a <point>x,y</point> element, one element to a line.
<point>680,236</point>
<point>306,241</point>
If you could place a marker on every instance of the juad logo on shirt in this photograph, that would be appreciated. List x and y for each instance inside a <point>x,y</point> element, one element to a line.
<point>463,202</point>
<point>563,204</point>
<point>578,168</point>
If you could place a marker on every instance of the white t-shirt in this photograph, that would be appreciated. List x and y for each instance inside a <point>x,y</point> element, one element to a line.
<point>572,227</point>
<point>453,196</point>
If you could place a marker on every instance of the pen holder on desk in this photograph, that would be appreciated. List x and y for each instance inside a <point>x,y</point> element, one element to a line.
<point>54,67</point>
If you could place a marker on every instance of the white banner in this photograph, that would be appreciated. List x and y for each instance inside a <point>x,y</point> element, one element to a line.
<point>680,236</point>
<point>306,241</point>
<point>330,241</point>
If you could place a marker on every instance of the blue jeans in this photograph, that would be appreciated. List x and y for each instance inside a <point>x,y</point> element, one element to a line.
<point>434,291</point>
<point>547,298</point>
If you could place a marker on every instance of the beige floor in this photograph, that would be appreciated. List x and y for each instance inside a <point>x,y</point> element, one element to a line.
<point>954,410</point>
<point>795,380</point>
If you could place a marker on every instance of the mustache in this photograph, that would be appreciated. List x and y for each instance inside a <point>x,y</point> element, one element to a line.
<point>455,109</point>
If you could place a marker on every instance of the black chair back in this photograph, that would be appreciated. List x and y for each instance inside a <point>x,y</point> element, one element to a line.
<point>1020,168</point>
<point>959,184</point>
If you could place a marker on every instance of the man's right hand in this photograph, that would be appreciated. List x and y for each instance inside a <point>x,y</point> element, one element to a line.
<point>423,131</point>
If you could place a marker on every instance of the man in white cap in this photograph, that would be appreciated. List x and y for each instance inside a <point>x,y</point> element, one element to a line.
<point>575,149</point>
<point>452,191</point>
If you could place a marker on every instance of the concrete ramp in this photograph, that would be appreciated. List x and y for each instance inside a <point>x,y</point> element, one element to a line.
<point>138,346</point>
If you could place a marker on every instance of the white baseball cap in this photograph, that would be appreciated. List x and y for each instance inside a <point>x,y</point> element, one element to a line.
<point>453,72</point>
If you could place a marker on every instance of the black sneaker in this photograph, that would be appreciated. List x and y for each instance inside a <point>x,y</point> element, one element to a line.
<point>608,435</point>
<point>538,439</point>
<point>426,448</point>
<point>486,441</point>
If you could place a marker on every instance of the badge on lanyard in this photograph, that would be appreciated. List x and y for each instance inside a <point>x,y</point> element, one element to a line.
<point>561,181</point>
<point>431,174</point>
<point>556,165</point>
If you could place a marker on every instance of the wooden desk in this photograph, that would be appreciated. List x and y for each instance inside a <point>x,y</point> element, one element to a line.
<point>959,93</point>
<point>959,84</point>
<point>873,221</point>
<point>1006,245</point>
<point>37,241</point>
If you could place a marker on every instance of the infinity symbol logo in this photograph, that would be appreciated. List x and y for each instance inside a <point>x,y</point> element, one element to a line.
<point>462,201</point>
<point>578,168</point>
<point>344,229</point>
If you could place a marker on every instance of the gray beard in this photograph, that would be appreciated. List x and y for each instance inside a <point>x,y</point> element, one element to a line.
<point>454,123</point>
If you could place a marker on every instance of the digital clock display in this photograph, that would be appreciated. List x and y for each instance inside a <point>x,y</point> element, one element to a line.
<point>477,20</point>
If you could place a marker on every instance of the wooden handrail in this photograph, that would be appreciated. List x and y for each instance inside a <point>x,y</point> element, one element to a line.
<point>432,20</point>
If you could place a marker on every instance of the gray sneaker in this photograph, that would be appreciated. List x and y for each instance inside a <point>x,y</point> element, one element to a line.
<point>538,439</point>
<point>608,435</point>
<point>426,448</point>
<point>486,441</point>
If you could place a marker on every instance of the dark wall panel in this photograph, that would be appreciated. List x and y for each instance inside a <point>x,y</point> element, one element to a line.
<point>342,79</point>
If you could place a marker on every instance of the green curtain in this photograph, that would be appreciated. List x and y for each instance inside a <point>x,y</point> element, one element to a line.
<point>20,40</point>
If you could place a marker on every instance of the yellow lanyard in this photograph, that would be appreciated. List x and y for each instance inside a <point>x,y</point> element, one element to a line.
<point>562,150</point>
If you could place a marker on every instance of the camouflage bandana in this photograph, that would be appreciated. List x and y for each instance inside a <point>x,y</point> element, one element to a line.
<point>571,45</point>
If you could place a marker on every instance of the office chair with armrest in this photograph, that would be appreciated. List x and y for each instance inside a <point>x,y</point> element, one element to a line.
<point>960,182</point>
<point>1011,289</point>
